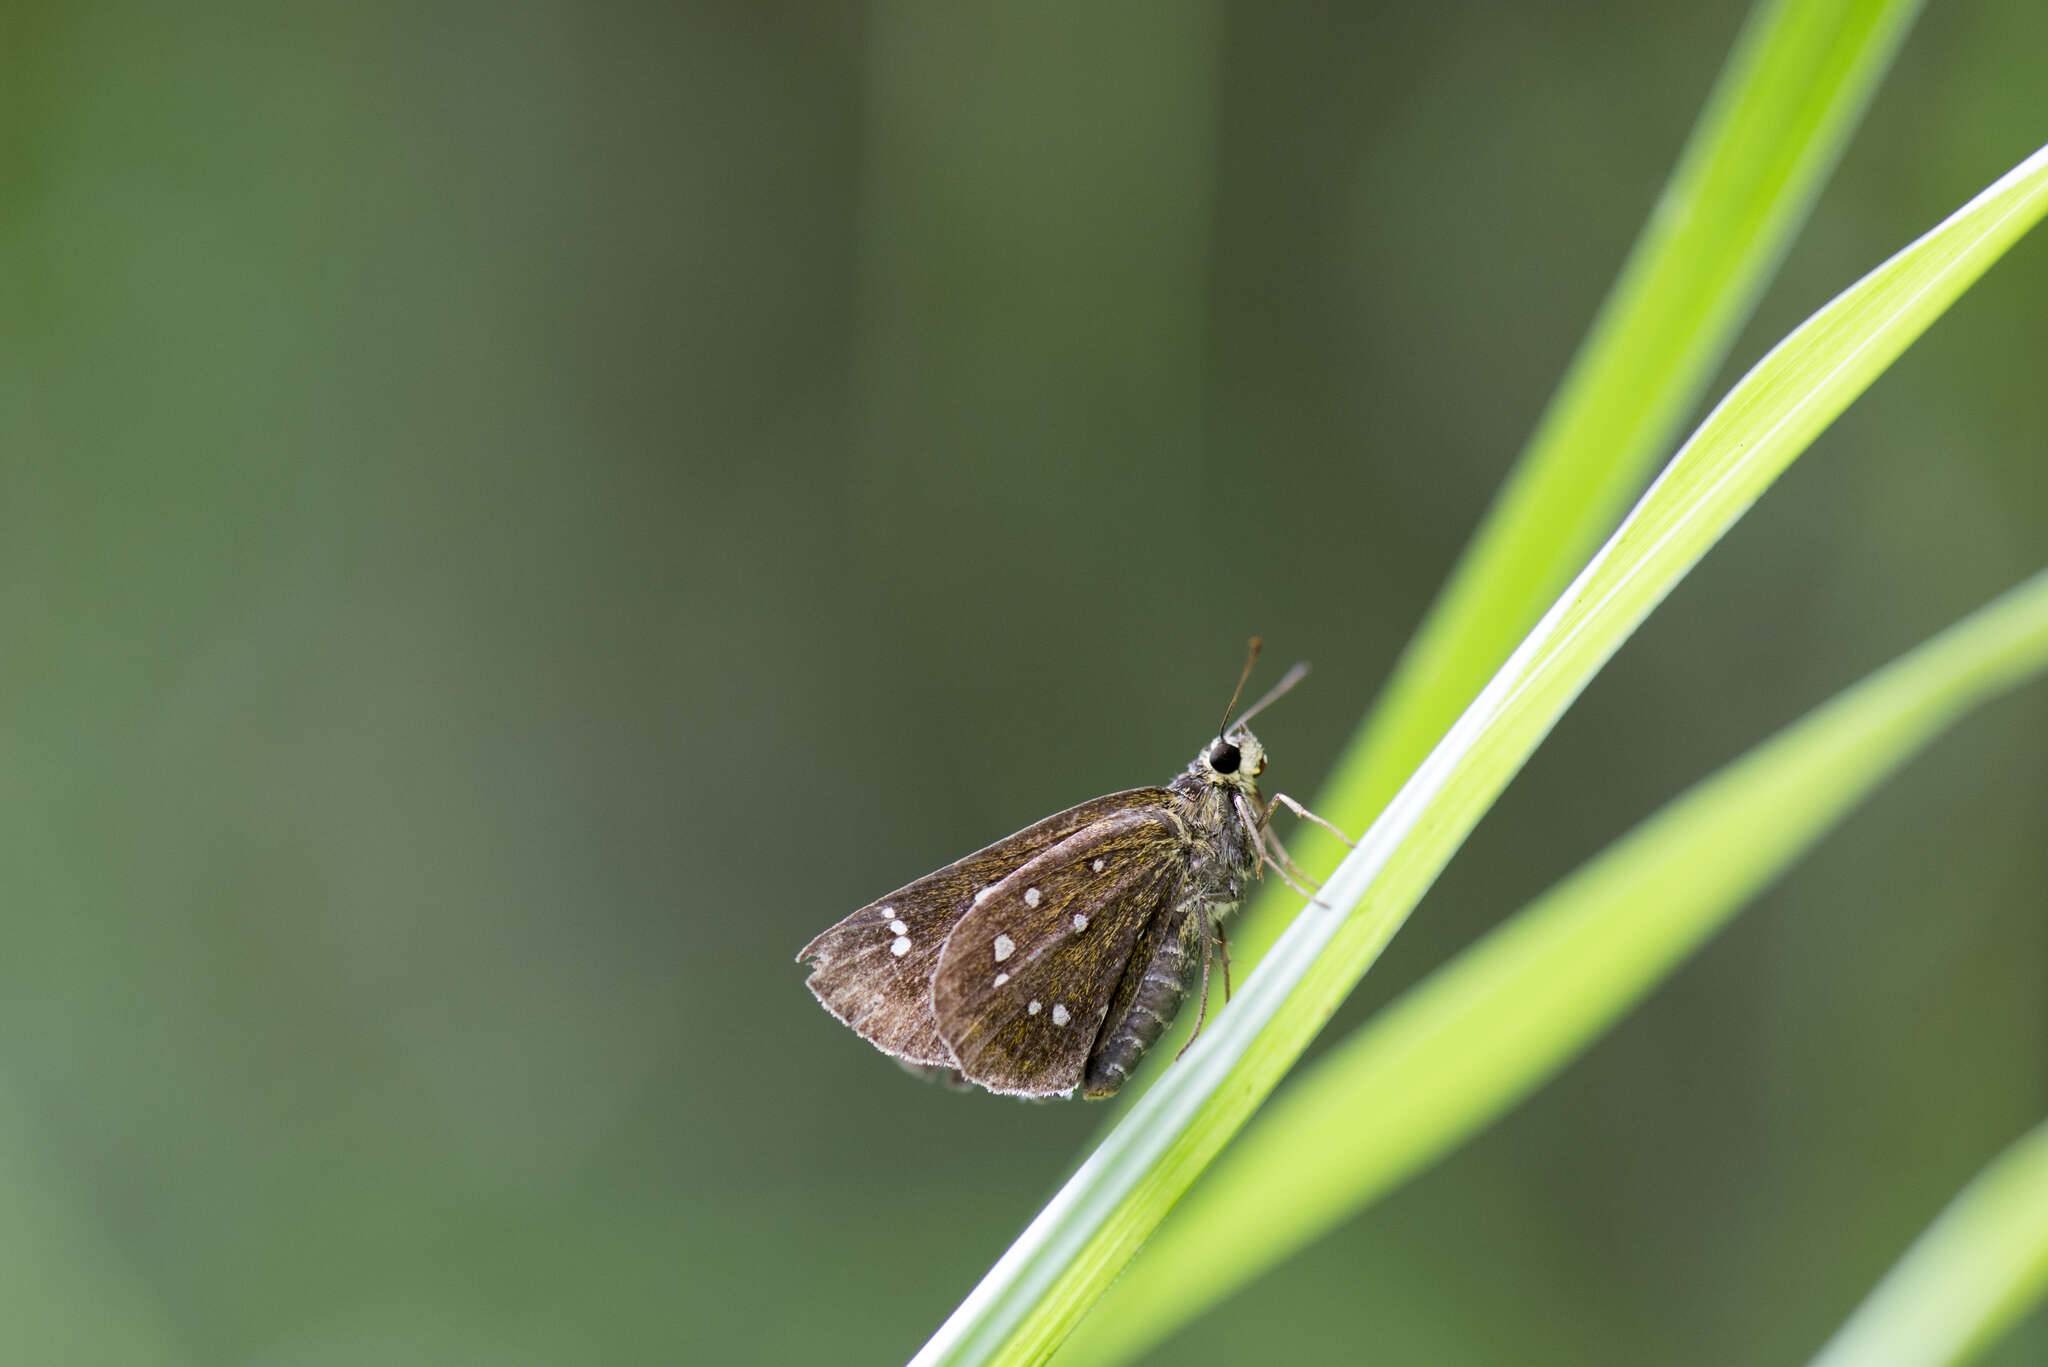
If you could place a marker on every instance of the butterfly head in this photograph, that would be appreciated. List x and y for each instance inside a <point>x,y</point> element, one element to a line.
<point>1235,759</point>
<point>1232,761</point>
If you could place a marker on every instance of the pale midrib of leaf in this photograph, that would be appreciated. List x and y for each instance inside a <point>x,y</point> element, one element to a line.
<point>1793,90</point>
<point>1036,1292</point>
<point>1489,1027</point>
<point>1967,1279</point>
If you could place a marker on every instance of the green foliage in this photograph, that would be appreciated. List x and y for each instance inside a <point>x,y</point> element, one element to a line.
<point>1452,1054</point>
<point>1980,1266</point>
<point>1792,92</point>
<point>1036,1293</point>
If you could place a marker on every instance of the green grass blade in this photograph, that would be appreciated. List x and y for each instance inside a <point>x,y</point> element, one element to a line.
<point>1979,1267</point>
<point>1793,90</point>
<point>1496,1022</point>
<point>1042,1285</point>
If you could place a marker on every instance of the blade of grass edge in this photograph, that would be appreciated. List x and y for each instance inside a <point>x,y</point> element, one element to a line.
<point>1475,1037</point>
<point>1041,1286</point>
<point>1794,88</point>
<point>1967,1279</point>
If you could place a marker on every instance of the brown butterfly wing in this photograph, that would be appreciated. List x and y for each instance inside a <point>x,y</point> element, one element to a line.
<point>884,993</point>
<point>1025,980</point>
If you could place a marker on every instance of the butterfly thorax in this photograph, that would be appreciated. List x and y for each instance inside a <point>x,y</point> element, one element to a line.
<point>1221,848</point>
<point>1217,791</point>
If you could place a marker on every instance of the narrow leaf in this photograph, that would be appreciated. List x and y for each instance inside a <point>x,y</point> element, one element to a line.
<point>1036,1292</point>
<point>1979,1267</point>
<point>1794,88</point>
<point>1496,1022</point>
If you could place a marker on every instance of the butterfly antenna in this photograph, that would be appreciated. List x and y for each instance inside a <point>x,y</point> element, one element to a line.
<point>1251,658</point>
<point>1287,681</point>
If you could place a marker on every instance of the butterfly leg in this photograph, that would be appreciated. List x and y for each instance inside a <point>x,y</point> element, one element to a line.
<point>1281,799</point>
<point>1286,860</point>
<point>1261,833</point>
<point>1256,824</point>
<point>1223,951</point>
<point>1289,880</point>
<point>1202,1011</point>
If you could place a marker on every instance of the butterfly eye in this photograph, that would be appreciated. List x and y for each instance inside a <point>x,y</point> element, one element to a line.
<point>1224,758</point>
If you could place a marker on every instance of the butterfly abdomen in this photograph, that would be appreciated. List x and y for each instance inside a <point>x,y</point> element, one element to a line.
<point>1222,858</point>
<point>1153,1003</point>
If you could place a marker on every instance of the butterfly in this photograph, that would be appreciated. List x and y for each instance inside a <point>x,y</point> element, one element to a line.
<point>1053,959</point>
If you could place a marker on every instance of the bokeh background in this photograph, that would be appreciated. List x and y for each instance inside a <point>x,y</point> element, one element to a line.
<point>514,517</point>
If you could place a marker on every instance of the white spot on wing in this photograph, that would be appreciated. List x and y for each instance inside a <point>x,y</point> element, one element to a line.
<point>901,946</point>
<point>1080,921</point>
<point>1002,978</point>
<point>1060,1015</point>
<point>1005,947</point>
<point>982,896</point>
<point>898,928</point>
<point>1097,866</point>
<point>1031,897</point>
<point>1033,1009</point>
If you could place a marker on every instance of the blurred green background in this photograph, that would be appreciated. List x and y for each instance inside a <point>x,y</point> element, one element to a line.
<point>515,517</point>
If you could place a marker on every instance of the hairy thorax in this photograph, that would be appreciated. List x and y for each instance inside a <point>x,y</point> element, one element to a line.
<point>1222,851</point>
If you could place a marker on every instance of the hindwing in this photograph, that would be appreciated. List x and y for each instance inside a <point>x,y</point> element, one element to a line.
<point>1025,980</point>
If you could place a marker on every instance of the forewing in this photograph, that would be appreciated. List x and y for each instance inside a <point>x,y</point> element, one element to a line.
<point>1026,977</point>
<point>874,969</point>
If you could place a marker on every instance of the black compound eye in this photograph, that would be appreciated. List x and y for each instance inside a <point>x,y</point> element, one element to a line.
<point>1224,758</point>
